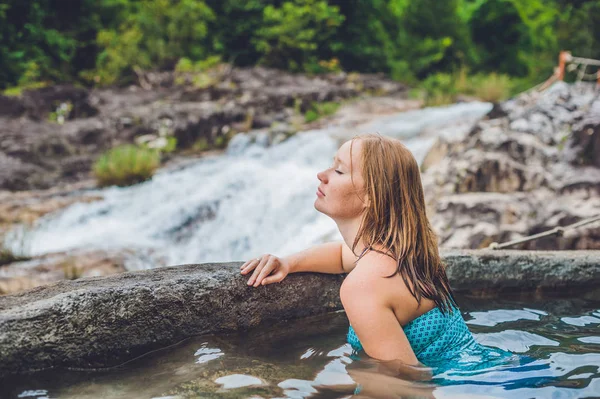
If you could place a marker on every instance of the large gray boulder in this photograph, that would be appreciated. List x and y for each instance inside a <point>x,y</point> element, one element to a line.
<point>96,322</point>
<point>104,321</point>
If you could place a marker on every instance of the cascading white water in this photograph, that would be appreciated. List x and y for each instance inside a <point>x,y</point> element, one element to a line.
<point>250,201</point>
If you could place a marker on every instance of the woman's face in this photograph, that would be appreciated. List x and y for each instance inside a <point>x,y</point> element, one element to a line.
<point>341,192</point>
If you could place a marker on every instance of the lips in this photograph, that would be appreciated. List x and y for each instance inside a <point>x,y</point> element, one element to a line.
<point>319,191</point>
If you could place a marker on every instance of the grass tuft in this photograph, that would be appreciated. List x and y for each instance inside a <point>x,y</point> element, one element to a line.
<point>126,165</point>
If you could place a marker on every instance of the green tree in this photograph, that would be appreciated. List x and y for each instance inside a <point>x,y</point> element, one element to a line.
<point>153,34</point>
<point>235,27</point>
<point>578,28</point>
<point>45,39</point>
<point>502,37</point>
<point>433,37</point>
<point>540,16</point>
<point>365,41</point>
<point>295,33</point>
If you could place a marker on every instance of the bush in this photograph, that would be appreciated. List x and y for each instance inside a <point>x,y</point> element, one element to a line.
<point>152,34</point>
<point>492,87</point>
<point>291,35</point>
<point>201,74</point>
<point>311,116</point>
<point>323,66</point>
<point>318,110</point>
<point>443,88</point>
<point>440,89</point>
<point>126,165</point>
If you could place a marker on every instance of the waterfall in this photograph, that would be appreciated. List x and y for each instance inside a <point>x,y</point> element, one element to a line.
<point>253,199</point>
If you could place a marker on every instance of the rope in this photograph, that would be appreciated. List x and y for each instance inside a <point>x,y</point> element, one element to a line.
<point>559,231</point>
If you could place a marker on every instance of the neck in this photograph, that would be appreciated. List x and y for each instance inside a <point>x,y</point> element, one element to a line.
<point>349,230</point>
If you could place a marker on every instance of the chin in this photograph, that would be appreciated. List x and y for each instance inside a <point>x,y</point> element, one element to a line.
<point>317,206</point>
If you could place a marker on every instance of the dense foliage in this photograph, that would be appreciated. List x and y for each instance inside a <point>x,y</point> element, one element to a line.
<point>110,41</point>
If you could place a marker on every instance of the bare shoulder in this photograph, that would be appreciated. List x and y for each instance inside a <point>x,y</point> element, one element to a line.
<point>369,280</point>
<point>369,276</point>
<point>374,266</point>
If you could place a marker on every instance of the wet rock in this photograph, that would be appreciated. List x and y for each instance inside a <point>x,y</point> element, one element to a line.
<point>17,175</point>
<point>107,320</point>
<point>37,151</point>
<point>537,159</point>
<point>262,122</point>
<point>40,102</point>
<point>11,106</point>
<point>585,140</point>
<point>90,135</point>
<point>496,112</point>
<point>494,172</point>
<point>535,273</point>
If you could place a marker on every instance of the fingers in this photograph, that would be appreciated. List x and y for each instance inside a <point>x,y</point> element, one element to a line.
<point>249,265</point>
<point>268,267</point>
<point>263,267</point>
<point>275,278</point>
<point>261,264</point>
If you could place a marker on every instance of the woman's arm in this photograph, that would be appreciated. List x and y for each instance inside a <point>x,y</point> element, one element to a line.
<point>332,258</point>
<point>323,258</point>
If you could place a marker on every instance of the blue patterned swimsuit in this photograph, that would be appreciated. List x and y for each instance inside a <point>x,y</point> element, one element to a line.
<point>442,340</point>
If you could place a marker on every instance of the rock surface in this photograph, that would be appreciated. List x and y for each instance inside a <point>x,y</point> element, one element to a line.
<point>532,164</point>
<point>99,322</point>
<point>38,152</point>
<point>96,322</point>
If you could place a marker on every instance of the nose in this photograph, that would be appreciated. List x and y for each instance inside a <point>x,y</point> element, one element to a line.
<point>322,176</point>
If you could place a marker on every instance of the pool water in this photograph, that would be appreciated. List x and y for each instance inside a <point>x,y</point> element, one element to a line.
<point>558,339</point>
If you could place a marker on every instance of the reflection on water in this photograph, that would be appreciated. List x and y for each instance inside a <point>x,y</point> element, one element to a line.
<point>559,342</point>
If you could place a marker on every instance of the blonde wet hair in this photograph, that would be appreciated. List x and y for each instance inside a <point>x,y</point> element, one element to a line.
<point>396,218</point>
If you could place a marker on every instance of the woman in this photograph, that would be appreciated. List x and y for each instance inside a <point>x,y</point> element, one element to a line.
<point>396,295</point>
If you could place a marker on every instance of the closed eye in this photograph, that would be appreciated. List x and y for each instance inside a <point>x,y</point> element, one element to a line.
<point>338,172</point>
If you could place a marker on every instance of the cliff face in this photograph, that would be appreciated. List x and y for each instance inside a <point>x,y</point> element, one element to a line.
<point>532,164</point>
